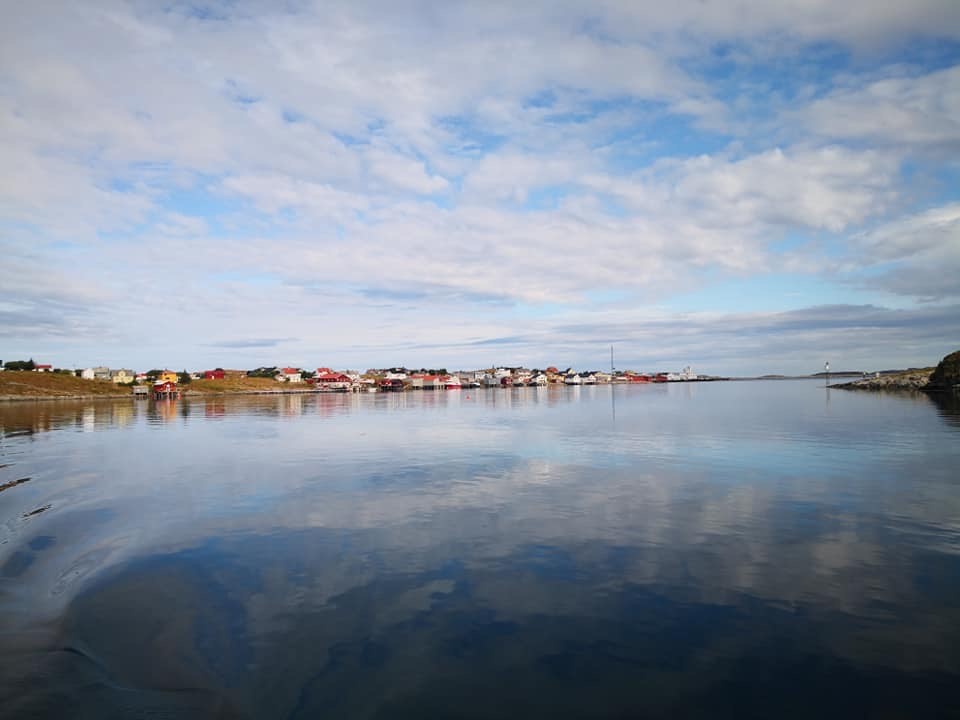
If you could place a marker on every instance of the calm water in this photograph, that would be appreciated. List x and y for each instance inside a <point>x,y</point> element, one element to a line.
<point>755,549</point>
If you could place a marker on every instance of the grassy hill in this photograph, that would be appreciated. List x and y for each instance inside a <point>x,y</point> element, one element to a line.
<point>16,384</point>
<point>237,384</point>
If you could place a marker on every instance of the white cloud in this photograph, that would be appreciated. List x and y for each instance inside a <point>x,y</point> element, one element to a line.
<point>512,176</point>
<point>921,254</point>
<point>828,188</point>
<point>275,193</point>
<point>862,23</point>
<point>403,172</point>
<point>900,110</point>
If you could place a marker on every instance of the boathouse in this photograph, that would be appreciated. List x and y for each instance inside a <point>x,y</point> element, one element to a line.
<point>164,389</point>
<point>434,382</point>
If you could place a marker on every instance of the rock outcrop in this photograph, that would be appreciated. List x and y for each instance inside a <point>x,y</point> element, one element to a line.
<point>947,375</point>
<point>908,380</point>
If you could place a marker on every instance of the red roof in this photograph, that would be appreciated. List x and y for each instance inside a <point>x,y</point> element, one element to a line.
<point>324,371</point>
<point>290,371</point>
<point>42,367</point>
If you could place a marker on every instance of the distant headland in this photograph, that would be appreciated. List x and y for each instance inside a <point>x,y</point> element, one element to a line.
<point>945,377</point>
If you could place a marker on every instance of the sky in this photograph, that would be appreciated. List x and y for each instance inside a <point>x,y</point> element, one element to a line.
<point>744,187</point>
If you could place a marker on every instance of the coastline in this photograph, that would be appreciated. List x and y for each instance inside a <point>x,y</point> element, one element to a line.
<point>129,396</point>
<point>907,381</point>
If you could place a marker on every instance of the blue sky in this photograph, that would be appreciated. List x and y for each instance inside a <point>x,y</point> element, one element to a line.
<point>743,187</point>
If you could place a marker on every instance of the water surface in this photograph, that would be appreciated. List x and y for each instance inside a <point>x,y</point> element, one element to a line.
<point>761,549</point>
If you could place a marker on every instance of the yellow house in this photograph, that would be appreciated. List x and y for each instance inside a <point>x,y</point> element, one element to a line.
<point>167,376</point>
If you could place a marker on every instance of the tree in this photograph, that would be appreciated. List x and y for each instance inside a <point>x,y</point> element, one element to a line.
<point>183,377</point>
<point>20,364</point>
<point>266,372</point>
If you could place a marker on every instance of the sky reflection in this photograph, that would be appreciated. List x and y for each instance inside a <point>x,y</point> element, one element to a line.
<point>429,555</point>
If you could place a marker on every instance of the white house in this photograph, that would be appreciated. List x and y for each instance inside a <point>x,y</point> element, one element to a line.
<point>88,374</point>
<point>290,375</point>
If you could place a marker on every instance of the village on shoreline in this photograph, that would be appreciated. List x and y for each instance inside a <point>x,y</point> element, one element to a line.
<point>162,383</point>
<point>26,379</point>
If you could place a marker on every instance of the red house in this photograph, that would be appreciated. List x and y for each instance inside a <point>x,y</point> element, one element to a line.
<point>213,375</point>
<point>43,368</point>
<point>331,377</point>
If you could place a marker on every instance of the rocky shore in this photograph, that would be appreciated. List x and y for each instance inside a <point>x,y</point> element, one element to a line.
<point>908,380</point>
<point>944,378</point>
